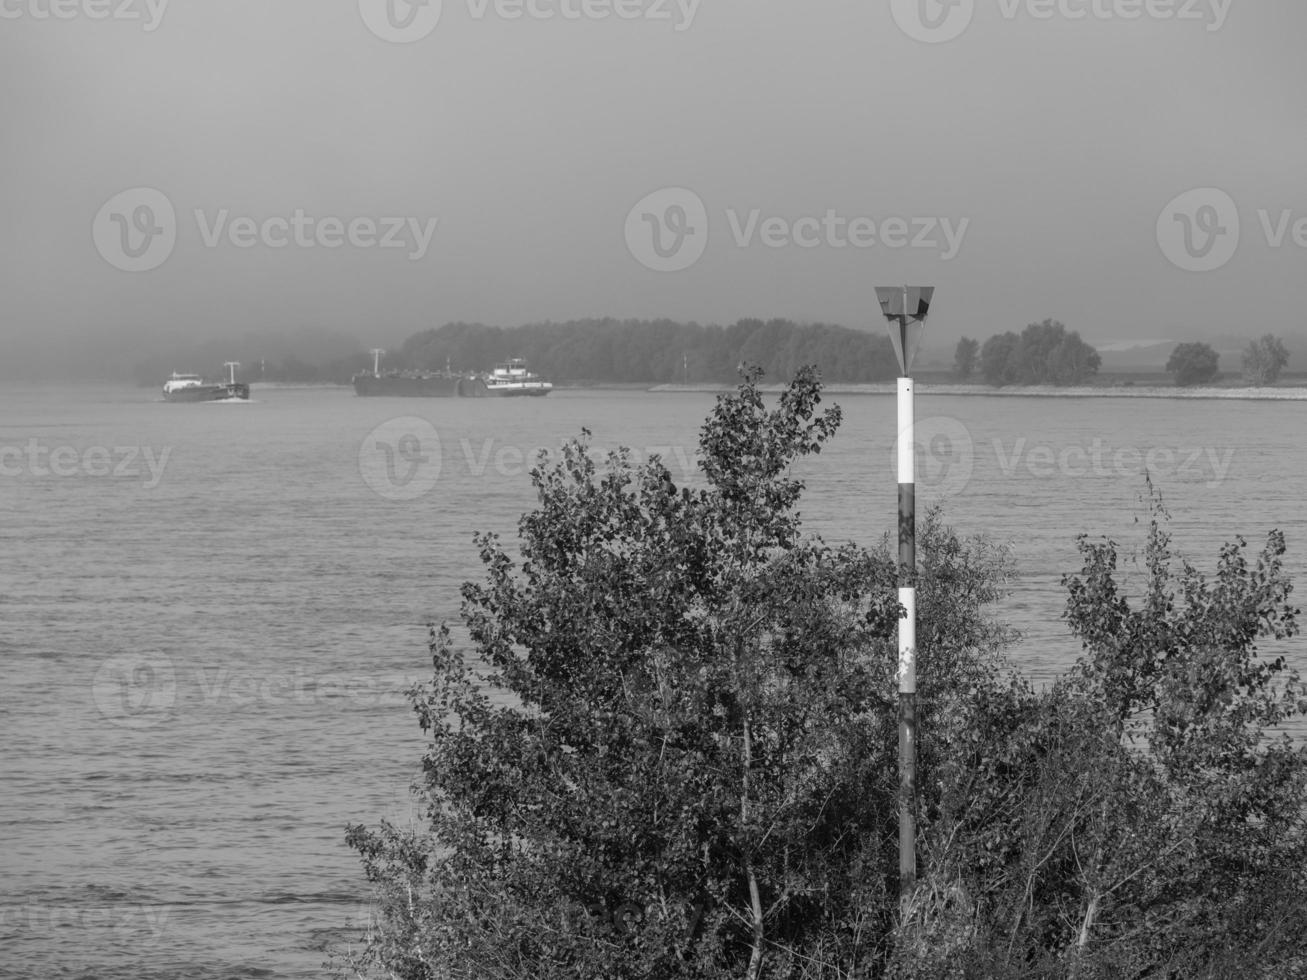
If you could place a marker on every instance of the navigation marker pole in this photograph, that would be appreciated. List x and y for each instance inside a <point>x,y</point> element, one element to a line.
<point>905,307</point>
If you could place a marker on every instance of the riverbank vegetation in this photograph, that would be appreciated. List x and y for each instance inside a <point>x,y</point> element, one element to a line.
<point>606,351</point>
<point>591,351</point>
<point>658,351</point>
<point>669,748</point>
<point>1193,364</point>
<point>1042,354</point>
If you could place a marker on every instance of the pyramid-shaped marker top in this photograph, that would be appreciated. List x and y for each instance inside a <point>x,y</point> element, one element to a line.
<point>892,300</point>
<point>905,307</point>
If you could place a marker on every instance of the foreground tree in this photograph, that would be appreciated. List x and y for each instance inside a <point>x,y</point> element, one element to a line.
<point>1193,364</point>
<point>680,760</point>
<point>1264,359</point>
<point>674,791</point>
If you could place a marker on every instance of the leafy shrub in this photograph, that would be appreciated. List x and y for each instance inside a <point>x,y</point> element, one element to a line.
<point>672,753</point>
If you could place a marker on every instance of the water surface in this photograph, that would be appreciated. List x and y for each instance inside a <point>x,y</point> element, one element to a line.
<point>209,613</point>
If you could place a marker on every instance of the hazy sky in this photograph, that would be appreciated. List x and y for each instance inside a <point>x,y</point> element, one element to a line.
<point>1025,156</point>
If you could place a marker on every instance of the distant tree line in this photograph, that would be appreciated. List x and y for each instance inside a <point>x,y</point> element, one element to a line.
<point>596,350</point>
<point>654,351</point>
<point>666,351</point>
<point>1042,354</point>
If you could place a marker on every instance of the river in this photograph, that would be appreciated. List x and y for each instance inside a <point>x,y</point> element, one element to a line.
<point>209,614</point>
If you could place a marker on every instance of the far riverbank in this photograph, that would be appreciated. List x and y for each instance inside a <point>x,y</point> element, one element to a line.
<point>1033,391</point>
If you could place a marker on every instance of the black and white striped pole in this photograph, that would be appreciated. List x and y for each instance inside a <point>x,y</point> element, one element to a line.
<point>905,307</point>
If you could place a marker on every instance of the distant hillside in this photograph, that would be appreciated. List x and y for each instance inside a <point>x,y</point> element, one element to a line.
<point>1147,355</point>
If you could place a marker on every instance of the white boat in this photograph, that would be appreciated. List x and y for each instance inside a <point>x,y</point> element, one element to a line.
<point>193,388</point>
<point>513,378</point>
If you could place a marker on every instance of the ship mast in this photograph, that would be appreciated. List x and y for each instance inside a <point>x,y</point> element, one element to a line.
<point>376,353</point>
<point>231,367</point>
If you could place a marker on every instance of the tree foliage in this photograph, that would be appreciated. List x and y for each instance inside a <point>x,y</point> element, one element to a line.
<point>1143,818</point>
<point>964,358</point>
<point>1193,363</point>
<point>684,672</point>
<point>590,350</point>
<point>1264,359</point>
<point>671,751</point>
<point>1042,354</point>
<point>656,351</point>
<point>997,359</point>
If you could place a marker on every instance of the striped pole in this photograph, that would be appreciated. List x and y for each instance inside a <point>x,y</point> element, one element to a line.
<point>906,308</point>
<point>907,640</point>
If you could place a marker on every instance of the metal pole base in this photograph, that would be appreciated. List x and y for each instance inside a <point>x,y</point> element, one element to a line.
<point>907,795</point>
